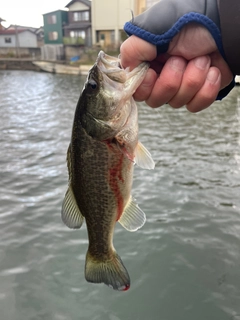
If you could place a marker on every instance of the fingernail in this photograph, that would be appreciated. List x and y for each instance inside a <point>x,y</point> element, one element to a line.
<point>201,62</point>
<point>213,76</point>
<point>178,64</point>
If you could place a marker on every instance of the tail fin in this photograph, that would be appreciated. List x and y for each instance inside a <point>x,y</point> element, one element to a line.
<point>111,272</point>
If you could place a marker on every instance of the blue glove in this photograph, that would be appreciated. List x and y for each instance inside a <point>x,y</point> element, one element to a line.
<point>159,24</point>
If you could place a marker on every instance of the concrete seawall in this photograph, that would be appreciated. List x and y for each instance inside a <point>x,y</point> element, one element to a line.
<point>17,64</point>
<point>29,64</point>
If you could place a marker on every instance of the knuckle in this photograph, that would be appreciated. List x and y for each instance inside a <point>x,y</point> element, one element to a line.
<point>175,105</point>
<point>193,83</point>
<point>170,87</point>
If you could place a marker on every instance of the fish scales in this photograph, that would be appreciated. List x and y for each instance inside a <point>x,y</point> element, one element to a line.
<point>98,188</point>
<point>102,151</point>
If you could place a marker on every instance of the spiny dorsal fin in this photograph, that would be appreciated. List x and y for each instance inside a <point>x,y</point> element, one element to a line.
<point>133,218</point>
<point>71,214</point>
<point>143,157</point>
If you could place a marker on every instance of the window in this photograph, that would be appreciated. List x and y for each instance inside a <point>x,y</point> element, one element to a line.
<point>8,40</point>
<point>52,35</point>
<point>78,34</point>
<point>81,16</point>
<point>52,19</point>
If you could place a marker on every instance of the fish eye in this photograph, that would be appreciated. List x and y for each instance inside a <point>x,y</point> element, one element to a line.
<point>93,84</point>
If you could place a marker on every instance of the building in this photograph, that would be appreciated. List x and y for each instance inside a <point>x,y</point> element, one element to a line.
<point>78,31</point>
<point>18,42</point>
<point>140,6</point>
<point>38,31</point>
<point>54,23</point>
<point>108,19</point>
<point>53,26</point>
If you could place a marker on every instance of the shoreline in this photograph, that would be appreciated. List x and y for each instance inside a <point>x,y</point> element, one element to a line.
<point>34,65</point>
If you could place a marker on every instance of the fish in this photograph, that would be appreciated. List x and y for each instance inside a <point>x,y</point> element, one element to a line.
<point>103,149</point>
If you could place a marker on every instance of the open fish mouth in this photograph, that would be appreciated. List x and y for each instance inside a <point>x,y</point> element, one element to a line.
<point>111,67</point>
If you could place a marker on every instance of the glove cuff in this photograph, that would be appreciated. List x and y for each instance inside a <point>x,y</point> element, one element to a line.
<point>165,38</point>
<point>161,41</point>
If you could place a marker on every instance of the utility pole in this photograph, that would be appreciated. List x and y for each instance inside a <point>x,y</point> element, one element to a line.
<point>17,42</point>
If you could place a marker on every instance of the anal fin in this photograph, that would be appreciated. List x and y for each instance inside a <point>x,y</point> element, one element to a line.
<point>71,214</point>
<point>133,218</point>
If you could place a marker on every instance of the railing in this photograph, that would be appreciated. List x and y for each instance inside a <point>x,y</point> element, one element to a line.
<point>73,41</point>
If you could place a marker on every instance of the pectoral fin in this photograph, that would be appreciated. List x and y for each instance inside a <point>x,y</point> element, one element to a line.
<point>143,157</point>
<point>133,218</point>
<point>71,214</point>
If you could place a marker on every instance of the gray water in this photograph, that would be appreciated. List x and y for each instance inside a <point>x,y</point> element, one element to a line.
<point>184,263</point>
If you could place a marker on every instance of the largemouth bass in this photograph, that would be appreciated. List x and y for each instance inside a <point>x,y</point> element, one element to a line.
<point>103,149</point>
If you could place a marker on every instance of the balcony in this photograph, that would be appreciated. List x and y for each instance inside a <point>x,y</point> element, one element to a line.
<point>76,41</point>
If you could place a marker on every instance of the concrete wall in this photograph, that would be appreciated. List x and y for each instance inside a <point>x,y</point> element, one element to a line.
<point>52,52</point>
<point>71,51</point>
<point>18,64</point>
<point>34,53</point>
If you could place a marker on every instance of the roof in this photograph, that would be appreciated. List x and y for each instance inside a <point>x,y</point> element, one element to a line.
<point>86,2</point>
<point>13,31</point>
<point>13,26</point>
<point>54,12</point>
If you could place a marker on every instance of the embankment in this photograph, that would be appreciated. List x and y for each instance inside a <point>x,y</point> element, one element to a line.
<point>17,64</point>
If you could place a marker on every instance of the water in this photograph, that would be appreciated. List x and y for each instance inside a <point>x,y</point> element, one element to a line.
<point>184,263</point>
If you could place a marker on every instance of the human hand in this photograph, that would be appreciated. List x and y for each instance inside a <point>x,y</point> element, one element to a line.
<point>191,73</point>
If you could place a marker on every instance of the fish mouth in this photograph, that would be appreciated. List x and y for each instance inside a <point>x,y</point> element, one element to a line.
<point>111,67</point>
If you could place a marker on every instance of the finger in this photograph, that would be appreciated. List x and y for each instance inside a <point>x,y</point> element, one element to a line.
<point>193,79</point>
<point>168,82</point>
<point>134,50</point>
<point>144,90</point>
<point>208,93</point>
<point>226,74</point>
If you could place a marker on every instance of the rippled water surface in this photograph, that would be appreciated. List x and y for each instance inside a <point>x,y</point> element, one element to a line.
<point>184,263</point>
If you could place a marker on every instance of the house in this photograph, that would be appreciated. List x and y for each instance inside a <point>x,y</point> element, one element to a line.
<point>18,42</point>
<point>78,31</point>
<point>108,19</point>
<point>54,23</point>
<point>38,31</point>
<point>53,26</point>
